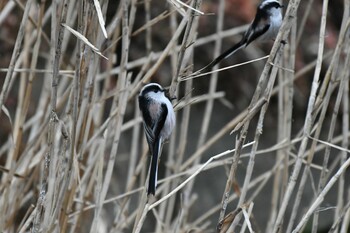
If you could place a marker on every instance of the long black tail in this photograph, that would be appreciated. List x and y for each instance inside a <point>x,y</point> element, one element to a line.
<point>153,176</point>
<point>223,56</point>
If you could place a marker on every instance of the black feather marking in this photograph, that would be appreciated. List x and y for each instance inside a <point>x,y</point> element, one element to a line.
<point>270,5</point>
<point>148,122</point>
<point>159,124</point>
<point>150,88</point>
<point>258,32</point>
<point>223,56</point>
<point>261,17</point>
<point>152,182</point>
<point>143,101</point>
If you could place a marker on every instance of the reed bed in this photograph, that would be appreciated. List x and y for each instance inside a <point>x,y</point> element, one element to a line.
<point>261,145</point>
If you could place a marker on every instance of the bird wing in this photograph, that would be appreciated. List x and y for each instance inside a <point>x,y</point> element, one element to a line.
<point>153,130</point>
<point>149,136</point>
<point>159,124</point>
<point>260,23</point>
<point>260,30</point>
<point>147,123</point>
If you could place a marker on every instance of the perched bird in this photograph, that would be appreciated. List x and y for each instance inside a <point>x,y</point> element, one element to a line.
<point>265,26</point>
<point>158,121</point>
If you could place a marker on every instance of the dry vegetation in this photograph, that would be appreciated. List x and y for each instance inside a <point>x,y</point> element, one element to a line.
<point>72,151</point>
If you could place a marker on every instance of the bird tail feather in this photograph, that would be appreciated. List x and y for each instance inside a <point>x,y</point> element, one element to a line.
<point>152,182</point>
<point>224,55</point>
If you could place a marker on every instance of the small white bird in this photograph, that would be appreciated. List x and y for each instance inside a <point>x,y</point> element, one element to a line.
<point>265,26</point>
<point>158,121</point>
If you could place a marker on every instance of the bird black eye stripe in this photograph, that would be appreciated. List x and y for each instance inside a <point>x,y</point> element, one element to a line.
<point>271,4</point>
<point>154,88</point>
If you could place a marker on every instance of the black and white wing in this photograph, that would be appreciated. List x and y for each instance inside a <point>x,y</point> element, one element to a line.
<point>259,26</point>
<point>156,147</point>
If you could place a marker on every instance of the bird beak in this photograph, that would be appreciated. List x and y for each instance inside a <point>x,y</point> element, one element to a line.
<point>167,94</point>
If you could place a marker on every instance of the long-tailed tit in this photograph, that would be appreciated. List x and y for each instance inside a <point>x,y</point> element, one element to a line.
<point>158,121</point>
<point>265,26</point>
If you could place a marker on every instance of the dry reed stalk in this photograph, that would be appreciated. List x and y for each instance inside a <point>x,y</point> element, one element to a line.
<point>15,54</point>
<point>65,164</point>
<point>184,58</point>
<point>267,95</point>
<point>322,179</point>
